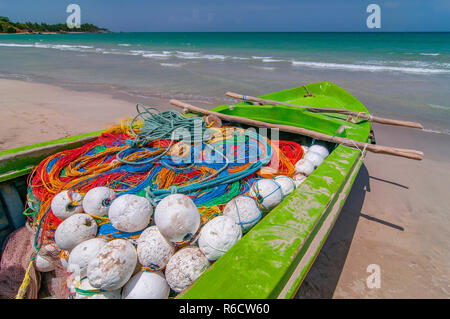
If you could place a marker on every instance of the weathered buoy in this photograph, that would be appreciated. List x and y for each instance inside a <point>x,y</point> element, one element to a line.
<point>185,267</point>
<point>286,183</point>
<point>83,253</point>
<point>74,230</point>
<point>153,249</point>
<point>320,149</point>
<point>315,158</point>
<point>304,167</point>
<point>64,206</point>
<point>130,213</point>
<point>113,265</point>
<point>97,201</point>
<point>217,236</point>
<point>146,285</point>
<point>47,258</point>
<point>267,192</point>
<point>86,291</point>
<point>177,217</point>
<point>298,179</point>
<point>43,263</point>
<point>244,211</point>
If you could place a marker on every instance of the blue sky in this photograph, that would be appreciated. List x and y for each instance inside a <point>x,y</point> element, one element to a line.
<point>238,15</point>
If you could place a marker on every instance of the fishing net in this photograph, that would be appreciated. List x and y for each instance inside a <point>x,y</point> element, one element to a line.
<point>154,155</point>
<point>14,263</point>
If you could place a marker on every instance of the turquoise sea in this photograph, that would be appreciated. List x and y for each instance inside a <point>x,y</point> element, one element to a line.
<point>402,75</point>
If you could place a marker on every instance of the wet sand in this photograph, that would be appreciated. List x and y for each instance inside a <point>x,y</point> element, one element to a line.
<point>396,216</point>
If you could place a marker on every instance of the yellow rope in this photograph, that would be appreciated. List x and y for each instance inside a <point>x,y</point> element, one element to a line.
<point>25,283</point>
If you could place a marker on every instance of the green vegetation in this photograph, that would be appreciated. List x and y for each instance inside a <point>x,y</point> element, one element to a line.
<point>7,26</point>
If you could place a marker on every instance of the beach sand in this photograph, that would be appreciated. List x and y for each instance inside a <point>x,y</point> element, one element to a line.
<point>396,216</point>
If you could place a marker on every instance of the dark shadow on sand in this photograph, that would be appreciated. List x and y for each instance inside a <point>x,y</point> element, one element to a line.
<point>389,182</point>
<point>374,219</point>
<point>322,279</point>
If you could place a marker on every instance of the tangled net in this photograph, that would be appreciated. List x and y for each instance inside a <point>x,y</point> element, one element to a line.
<point>152,158</point>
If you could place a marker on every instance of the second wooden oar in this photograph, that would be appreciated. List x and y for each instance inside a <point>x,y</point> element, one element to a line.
<point>358,115</point>
<point>412,154</point>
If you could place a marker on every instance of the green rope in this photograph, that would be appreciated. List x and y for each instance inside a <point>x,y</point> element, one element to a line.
<point>234,190</point>
<point>163,125</point>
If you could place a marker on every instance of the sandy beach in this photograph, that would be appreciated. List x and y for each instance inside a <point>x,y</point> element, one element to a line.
<point>396,215</point>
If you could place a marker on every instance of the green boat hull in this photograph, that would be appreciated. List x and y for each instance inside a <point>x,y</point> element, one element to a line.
<point>273,258</point>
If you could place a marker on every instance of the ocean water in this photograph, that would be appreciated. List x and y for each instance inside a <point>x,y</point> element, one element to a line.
<point>401,75</point>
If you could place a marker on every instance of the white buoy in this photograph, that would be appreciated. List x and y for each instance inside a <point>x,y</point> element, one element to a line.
<point>74,230</point>
<point>244,211</point>
<point>130,213</point>
<point>320,149</point>
<point>47,258</point>
<point>298,179</point>
<point>146,285</point>
<point>217,236</point>
<point>185,267</point>
<point>113,265</point>
<point>286,183</point>
<point>177,217</point>
<point>153,249</point>
<point>267,192</point>
<point>304,167</point>
<point>305,149</point>
<point>83,253</point>
<point>43,263</point>
<point>315,158</point>
<point>86,291</point>
<point>64,206</point>
<point>97,201</point>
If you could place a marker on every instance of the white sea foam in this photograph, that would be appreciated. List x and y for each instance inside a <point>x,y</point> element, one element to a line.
<point>197,55</point>
<point>266,60</point>
<point>445,131</point>
<point>260,57</point>
<point>370,68</point>
<point>64,47</point>
<point>124,44</point>
<point>432,54</point>
<point>265,68</point>
<point>173,65</point>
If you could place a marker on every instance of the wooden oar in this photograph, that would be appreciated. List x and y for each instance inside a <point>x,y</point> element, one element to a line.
<point>358,115</point>
<point>412,154</point>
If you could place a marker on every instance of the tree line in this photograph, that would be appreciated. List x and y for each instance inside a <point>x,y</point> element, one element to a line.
<point>7,26</point>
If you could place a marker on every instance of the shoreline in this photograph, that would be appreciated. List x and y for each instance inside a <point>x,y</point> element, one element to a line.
<point>396,215</point>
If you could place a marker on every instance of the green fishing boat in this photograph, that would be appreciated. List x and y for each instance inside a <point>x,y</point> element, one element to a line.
<point>274,257</point>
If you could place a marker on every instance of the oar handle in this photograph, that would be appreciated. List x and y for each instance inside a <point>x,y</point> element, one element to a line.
<point>361,115</point>
<point>383,120</point>
<point>411,154</point>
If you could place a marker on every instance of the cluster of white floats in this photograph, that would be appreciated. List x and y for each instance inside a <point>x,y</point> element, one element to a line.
<point>113,269</point>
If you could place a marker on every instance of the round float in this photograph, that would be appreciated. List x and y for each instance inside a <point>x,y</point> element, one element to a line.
<point>153,249</point>
<point>113,265</point>
<point>267,192</point>
<point>185,267</point>
<point>244,211</point>
<point>74,230</point>
<point>130,213</point>
<point>66,204</point>
<point>177,218</point>
<point>98,200</point>
<point>218,235</point>
<point>146,285</point>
